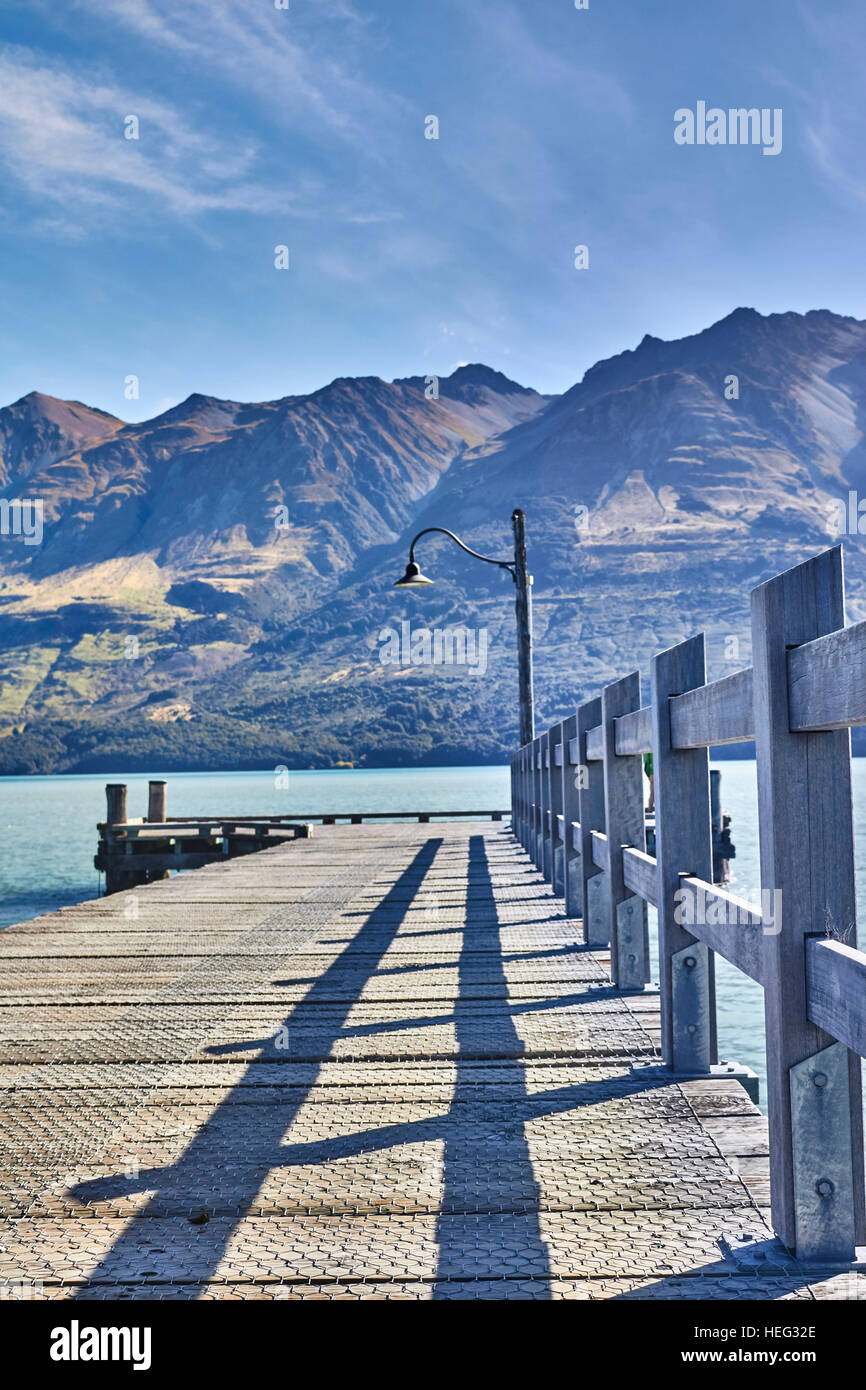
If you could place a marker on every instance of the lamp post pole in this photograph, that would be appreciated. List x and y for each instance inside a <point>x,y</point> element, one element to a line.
<point>414,579</point>
<point>523,609</point>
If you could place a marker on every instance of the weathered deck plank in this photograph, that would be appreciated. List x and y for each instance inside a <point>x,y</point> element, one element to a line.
<point>373,1064</point>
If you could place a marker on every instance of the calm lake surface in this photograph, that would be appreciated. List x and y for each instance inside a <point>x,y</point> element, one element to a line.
<point>48,840</point>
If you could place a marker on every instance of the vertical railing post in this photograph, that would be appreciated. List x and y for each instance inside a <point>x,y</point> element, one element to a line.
<point>683,846</point>
<point>531,800</point>
<point>520,824</point>
<point>554,738</point>
<point>624,820</point>
<point>537,844</point>
<point>516,794</point>
<point>572,881</point>
<point>525,796</point>
<point>596,930</point>
<point>545,805</point>
<point>521,794</point>
<point>807,858</point>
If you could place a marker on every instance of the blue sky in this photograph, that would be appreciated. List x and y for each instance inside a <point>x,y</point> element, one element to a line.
<point>305,127</point>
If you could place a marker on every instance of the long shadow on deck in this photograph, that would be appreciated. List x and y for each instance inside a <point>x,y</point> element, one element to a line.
<point>488,1224</point>
<point>196,1181</point>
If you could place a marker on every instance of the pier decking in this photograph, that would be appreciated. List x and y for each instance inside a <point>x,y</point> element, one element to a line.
<point>377,1063</point>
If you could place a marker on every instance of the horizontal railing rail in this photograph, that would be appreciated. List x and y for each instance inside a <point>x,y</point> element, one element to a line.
<point>577,807</point>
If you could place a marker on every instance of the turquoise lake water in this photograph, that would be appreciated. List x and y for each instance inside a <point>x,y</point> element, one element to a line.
<point>48,839</point>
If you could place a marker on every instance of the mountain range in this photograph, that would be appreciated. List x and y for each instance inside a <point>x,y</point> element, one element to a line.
<point>214,586</point>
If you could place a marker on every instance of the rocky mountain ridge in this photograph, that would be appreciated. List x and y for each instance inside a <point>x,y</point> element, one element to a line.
<point>213,584</point>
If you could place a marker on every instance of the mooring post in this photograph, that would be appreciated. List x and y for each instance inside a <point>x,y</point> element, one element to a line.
<point>156,816</point>
<point>115,798</point>
<point>807,858</point>
<point>115,814</point>
<point>683,846</point>
<point>156,802</point>
<point>625,825</point>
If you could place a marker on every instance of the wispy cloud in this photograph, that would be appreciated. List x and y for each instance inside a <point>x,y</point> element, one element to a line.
<point>594,89</point>
<point>62,138</point>
<point>291,77</point>
<point>825,143</point>
<point>502,154</point>
<point>830,128</point>
<point>281,58</point>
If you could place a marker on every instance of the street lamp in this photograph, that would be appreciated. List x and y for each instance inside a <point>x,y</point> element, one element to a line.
<point>414,579</point>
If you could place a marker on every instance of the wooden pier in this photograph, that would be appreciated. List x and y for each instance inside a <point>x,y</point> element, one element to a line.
<point>422,1061</point>
<point>132,852</point>
<point>378,1063</point>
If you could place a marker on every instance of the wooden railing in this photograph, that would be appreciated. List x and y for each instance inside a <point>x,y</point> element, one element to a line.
<point>577,807</point>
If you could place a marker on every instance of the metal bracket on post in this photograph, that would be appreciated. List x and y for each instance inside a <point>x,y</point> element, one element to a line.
<point>691,996</point>
<point>597,932</point>
<point>558,882</point>
<point>821,1131</point>
<point>632,943</point>
<point>573,879</point>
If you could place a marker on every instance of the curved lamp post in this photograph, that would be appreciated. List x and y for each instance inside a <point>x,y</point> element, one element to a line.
<point>414,579</point>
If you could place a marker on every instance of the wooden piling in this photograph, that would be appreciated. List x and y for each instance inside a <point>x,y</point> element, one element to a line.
<point>156,802</point>
<point>115,798</point>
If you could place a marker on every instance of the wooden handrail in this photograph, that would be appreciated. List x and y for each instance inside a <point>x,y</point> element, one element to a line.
<point>577,808</point>
<point>836,978</point>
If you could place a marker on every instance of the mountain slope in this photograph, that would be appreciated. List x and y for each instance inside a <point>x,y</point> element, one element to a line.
<point>38,430</point>
<point>200,483</point>
<point>656,496</point>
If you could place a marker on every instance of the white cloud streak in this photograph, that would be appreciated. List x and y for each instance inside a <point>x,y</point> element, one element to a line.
<point>62,138</point>
<point>257,48</point>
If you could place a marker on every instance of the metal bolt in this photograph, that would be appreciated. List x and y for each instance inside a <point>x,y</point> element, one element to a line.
<point>820,1078</point>
<point>692,1029</point>
<point>824,1187</point>
<point>690,962</point>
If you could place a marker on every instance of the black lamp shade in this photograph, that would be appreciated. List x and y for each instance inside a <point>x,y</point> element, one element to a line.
<point>413,578</point>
